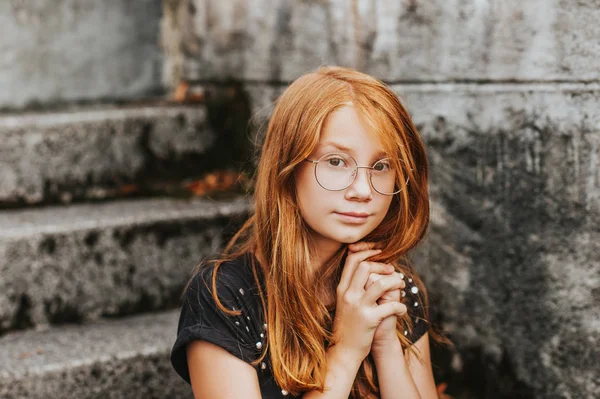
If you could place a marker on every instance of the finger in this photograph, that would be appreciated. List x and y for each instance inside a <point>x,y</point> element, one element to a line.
<point>374,277</point>
<point>391,295</point>
<point>390,308</point>
<point>363,246</point>
<point>380,287</point>
<point>361,275</point>
<point>371,279</point>
<point>352,262</point>
<point>401,277</point>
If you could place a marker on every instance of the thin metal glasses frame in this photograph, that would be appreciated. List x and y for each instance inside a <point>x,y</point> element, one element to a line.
<point>355,171</point>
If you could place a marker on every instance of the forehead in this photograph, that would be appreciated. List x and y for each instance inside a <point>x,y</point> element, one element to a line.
<point>344,131</point>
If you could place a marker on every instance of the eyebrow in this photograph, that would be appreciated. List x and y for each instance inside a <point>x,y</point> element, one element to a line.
<point>379,155</point>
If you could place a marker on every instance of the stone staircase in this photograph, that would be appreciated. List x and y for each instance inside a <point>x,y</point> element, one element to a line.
<point>89,289</point>
<point>99,231</point>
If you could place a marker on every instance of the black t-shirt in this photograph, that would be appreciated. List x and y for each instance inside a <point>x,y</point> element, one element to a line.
<point>244,336</point>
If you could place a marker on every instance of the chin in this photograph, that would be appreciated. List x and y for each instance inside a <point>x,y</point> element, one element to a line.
<point>350,238</point>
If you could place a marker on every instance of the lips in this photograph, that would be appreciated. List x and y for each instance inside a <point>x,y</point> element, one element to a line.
<point>355,214</point>
<point>353,217</point>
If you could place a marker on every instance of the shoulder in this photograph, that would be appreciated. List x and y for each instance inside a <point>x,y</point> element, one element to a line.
<point>201,317</point>
<point>229,284</point>
<point>228,270</point>
<point>231,278</point>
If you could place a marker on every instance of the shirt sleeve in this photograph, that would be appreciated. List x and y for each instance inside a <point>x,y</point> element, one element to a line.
<point>416,311</point>
<point>201,319</point>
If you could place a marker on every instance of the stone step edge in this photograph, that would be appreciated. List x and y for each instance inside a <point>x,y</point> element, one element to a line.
<point>22,223</point>
<point>34,352</point>
<point>126,357</point>
<point>92,113</point>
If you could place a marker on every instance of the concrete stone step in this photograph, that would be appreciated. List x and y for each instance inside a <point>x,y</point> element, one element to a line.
<point>64,264</point>
<point>80,153</point>
<point>122,358</point>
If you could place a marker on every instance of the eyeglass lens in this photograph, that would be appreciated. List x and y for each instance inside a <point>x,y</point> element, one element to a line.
<point>336,171</point>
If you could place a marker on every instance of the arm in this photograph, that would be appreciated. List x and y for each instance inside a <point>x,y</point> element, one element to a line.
<point>406,378</point>
<point>216,373</point>
<point>341,372</point>
<point>422,372</point>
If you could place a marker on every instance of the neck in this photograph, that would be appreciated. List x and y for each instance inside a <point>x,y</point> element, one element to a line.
<point>324,250</point>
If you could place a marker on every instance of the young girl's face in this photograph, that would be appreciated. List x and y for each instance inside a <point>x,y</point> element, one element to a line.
<point>321,208</point>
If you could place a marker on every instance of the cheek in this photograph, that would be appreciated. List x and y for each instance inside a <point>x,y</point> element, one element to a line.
<point>383,208</point>
<point>307,190</point>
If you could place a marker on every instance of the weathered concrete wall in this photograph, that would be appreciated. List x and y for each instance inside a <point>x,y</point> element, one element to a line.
<point>411,40</point>
<point>506,96</point>
<point>73,50</point>
<point>512,258</point>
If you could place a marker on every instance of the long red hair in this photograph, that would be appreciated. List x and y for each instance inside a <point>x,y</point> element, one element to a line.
<point>279,237</point>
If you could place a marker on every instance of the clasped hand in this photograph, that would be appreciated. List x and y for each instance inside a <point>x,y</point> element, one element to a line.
<point>368,303</point>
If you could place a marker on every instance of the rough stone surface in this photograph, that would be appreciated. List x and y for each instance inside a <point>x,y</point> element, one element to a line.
<point>68,264</point>
<point>47,157</point>
<point>408,41</point>
<point>73,50</point>
<point>123,358</point>
<point>511,259</point>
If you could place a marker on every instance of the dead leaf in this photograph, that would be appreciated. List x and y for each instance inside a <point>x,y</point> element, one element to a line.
<point>186,93</point>
<point>180,92</point>
<point>128,188</point>
<point>441,389</point>
<point>221,180</point>
<point>25,355</point>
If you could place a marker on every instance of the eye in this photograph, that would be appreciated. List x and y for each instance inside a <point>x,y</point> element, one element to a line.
<point>383,166</point>
<point>336,162</point>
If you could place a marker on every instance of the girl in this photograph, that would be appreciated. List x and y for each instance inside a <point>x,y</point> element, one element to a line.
<point>313,297</point>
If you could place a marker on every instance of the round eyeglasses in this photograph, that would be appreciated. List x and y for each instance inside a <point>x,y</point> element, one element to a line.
<point>337,171</point>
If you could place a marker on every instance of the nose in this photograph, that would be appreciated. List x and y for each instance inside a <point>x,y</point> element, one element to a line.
<point>361,186</point>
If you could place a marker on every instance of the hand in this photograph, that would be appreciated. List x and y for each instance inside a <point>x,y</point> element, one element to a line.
<point>385,334</point>
<point>358,314</point>
<point>386,331</point>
